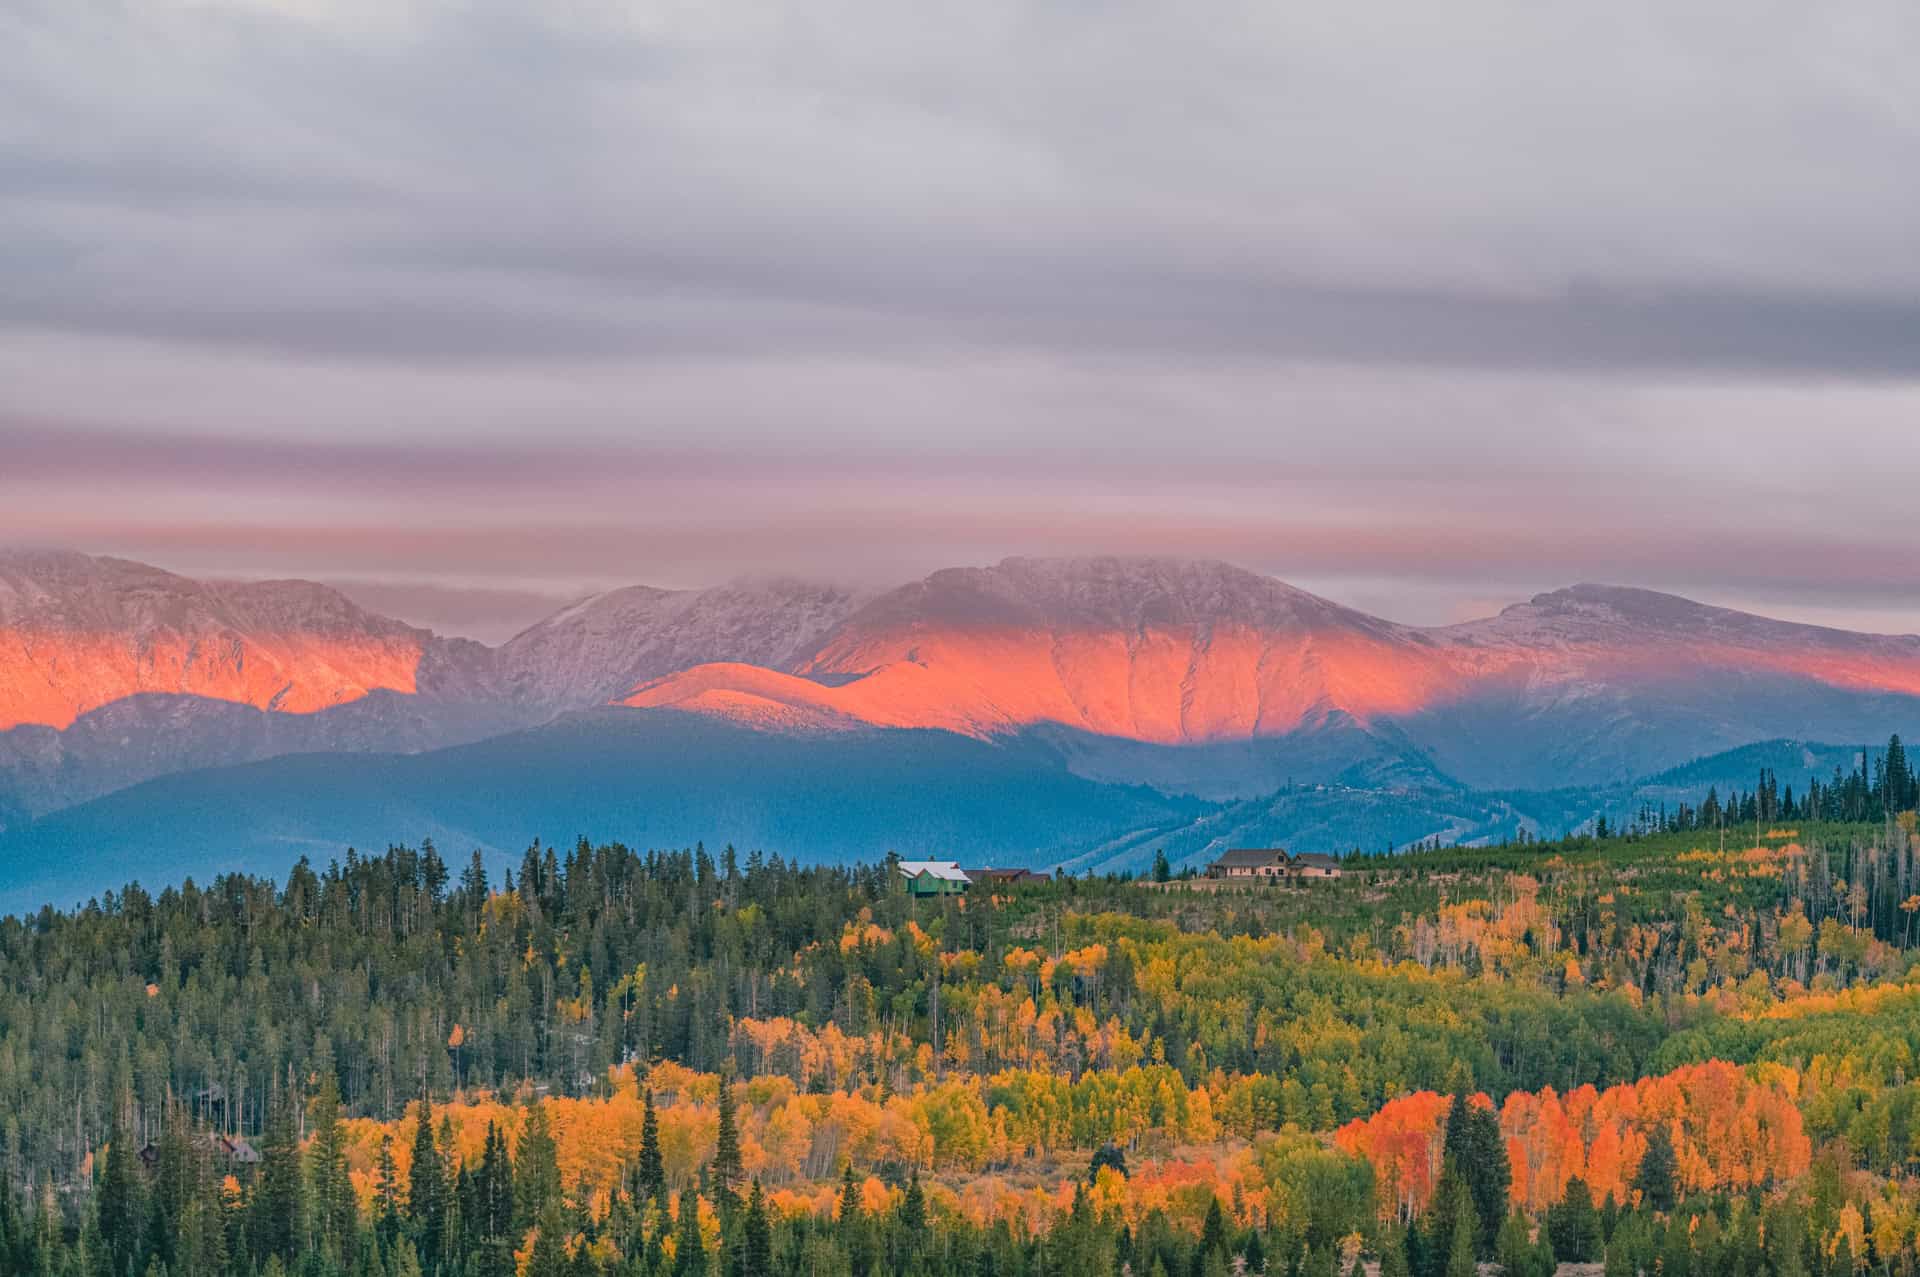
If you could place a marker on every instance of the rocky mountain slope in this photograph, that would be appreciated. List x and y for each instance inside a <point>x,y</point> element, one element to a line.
<point>1193,678</point>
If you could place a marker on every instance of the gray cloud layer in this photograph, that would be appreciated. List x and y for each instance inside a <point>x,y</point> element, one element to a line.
<point>1414,298</point>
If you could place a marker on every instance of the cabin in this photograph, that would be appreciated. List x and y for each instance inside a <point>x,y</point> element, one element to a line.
<point>1011,877</point>
<point>933,878</point>
<point>1271,864</point>
<point>1250,862</point>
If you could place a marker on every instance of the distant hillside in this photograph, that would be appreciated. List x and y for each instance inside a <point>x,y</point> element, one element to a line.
<point>647,778</point>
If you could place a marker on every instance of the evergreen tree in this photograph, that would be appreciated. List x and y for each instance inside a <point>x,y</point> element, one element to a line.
<point>1479,1155</point>
<point>120,1206</point>
<point>756,1237</point>
<point>426,1190</point>
<point>726,1150</point>
<point>1513,1247</point>
<point>1393,1256</point>
<point>1574,1226</point>
<point>652,1173</point>
<point>536,1171</point>
<point>548,1258</point>
<point>333,1215</point>
<point>277,1210</point>
<point>1462,1260</point>
<point>386,1193</point>
<point>689,1251</point>
<point>1255,1254</point>
<point>1655,1178</point>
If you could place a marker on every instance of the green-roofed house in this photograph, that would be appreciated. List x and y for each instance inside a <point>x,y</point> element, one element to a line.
<point>933,878</point>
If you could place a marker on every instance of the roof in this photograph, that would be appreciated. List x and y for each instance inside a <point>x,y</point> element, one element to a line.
<point>1010,874</point>
<point>1318,859</point>
<point>946,870</point>
<point>1247,857</point>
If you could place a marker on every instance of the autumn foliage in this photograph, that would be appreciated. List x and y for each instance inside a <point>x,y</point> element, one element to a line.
<point>1731,1128</point>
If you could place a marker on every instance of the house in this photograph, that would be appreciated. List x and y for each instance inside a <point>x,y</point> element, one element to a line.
<point>1006,877</point>
<point>933,877</point>
<point>233,1150</point>
<point>1250,862</point>
<point>1314,864</point>
<point>1243,864</point>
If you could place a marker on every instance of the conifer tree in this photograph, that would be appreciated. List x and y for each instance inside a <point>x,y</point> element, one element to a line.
<point>426,1190</point>
<point>120,1206</point>
<point>689,1250</point>
<point>536,1171</point>
<point>386,1194</point>
<point>277,1208</point>
<point>726,1150</point>
<point>651,1176</point>
<point>1478,1153</point>
<point>1513,1247</point>
<point>331,1194</point>
<point>1573,1225</point>
<point>756,1237</point>
<point>1654,1179</point>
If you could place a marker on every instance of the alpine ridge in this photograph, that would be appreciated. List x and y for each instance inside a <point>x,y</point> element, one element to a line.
<point>1195,678</point>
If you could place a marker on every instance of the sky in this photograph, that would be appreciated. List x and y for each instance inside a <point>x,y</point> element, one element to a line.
<point>476,307</point>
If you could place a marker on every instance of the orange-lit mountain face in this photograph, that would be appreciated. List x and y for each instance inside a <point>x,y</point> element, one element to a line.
<point>1198,677</point>
<point>79,633</point>
<point>1168,653</point>
<point>1184,653</point>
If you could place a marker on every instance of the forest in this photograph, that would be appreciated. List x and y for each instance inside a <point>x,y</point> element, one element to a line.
<point>1679,1047</point>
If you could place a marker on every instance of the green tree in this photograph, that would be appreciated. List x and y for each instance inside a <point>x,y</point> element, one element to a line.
<point>120,1203</point>
<point>726,1150</point>
<point>334,1207</point>
<point>689,1250</point>
<point>1513,1247</point>
<point>652,1172</point>
<point>536,1170</point>
<point>277,1209</point>
<point>1573,1225</point>
<point>756,1237</point>
<point>1479,1155</point>
<point>1655,1178</point>
<point>426,1190</point>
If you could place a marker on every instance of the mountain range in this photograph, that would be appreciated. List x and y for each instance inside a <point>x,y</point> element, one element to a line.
<point>1062,711</point>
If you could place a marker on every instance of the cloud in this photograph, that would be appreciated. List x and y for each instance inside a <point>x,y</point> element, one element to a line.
<point>1709,187</point>
<point>1466,299</point>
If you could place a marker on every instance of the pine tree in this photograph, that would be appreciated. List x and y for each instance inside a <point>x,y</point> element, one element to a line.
<point>536,1174</point>
<point>548,1258</point>
<point>331,1193</point>
<point>1654,1179</point>
<point>1479,1155</point>
<point>1461,1253</point>
<point>1513,1247</point>
<point>386,1194</point>
<point>1573,1225</point>
<point>849,1213</point>
<point>277,1210</point>
<point>689,1251</point>
<point>726,1151</point>
<point>756,1237</point>
<point>426,1190</point>
<point>495,1189</point>
<point>1393,1256</point>
<point>913,1206</point>
<point>652,1173</point>
<point>120,1207</point>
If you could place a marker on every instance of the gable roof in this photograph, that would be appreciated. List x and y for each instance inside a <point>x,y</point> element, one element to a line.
<point>945,870</point>
<point>1248,857</point>
<point>1318,859</point>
